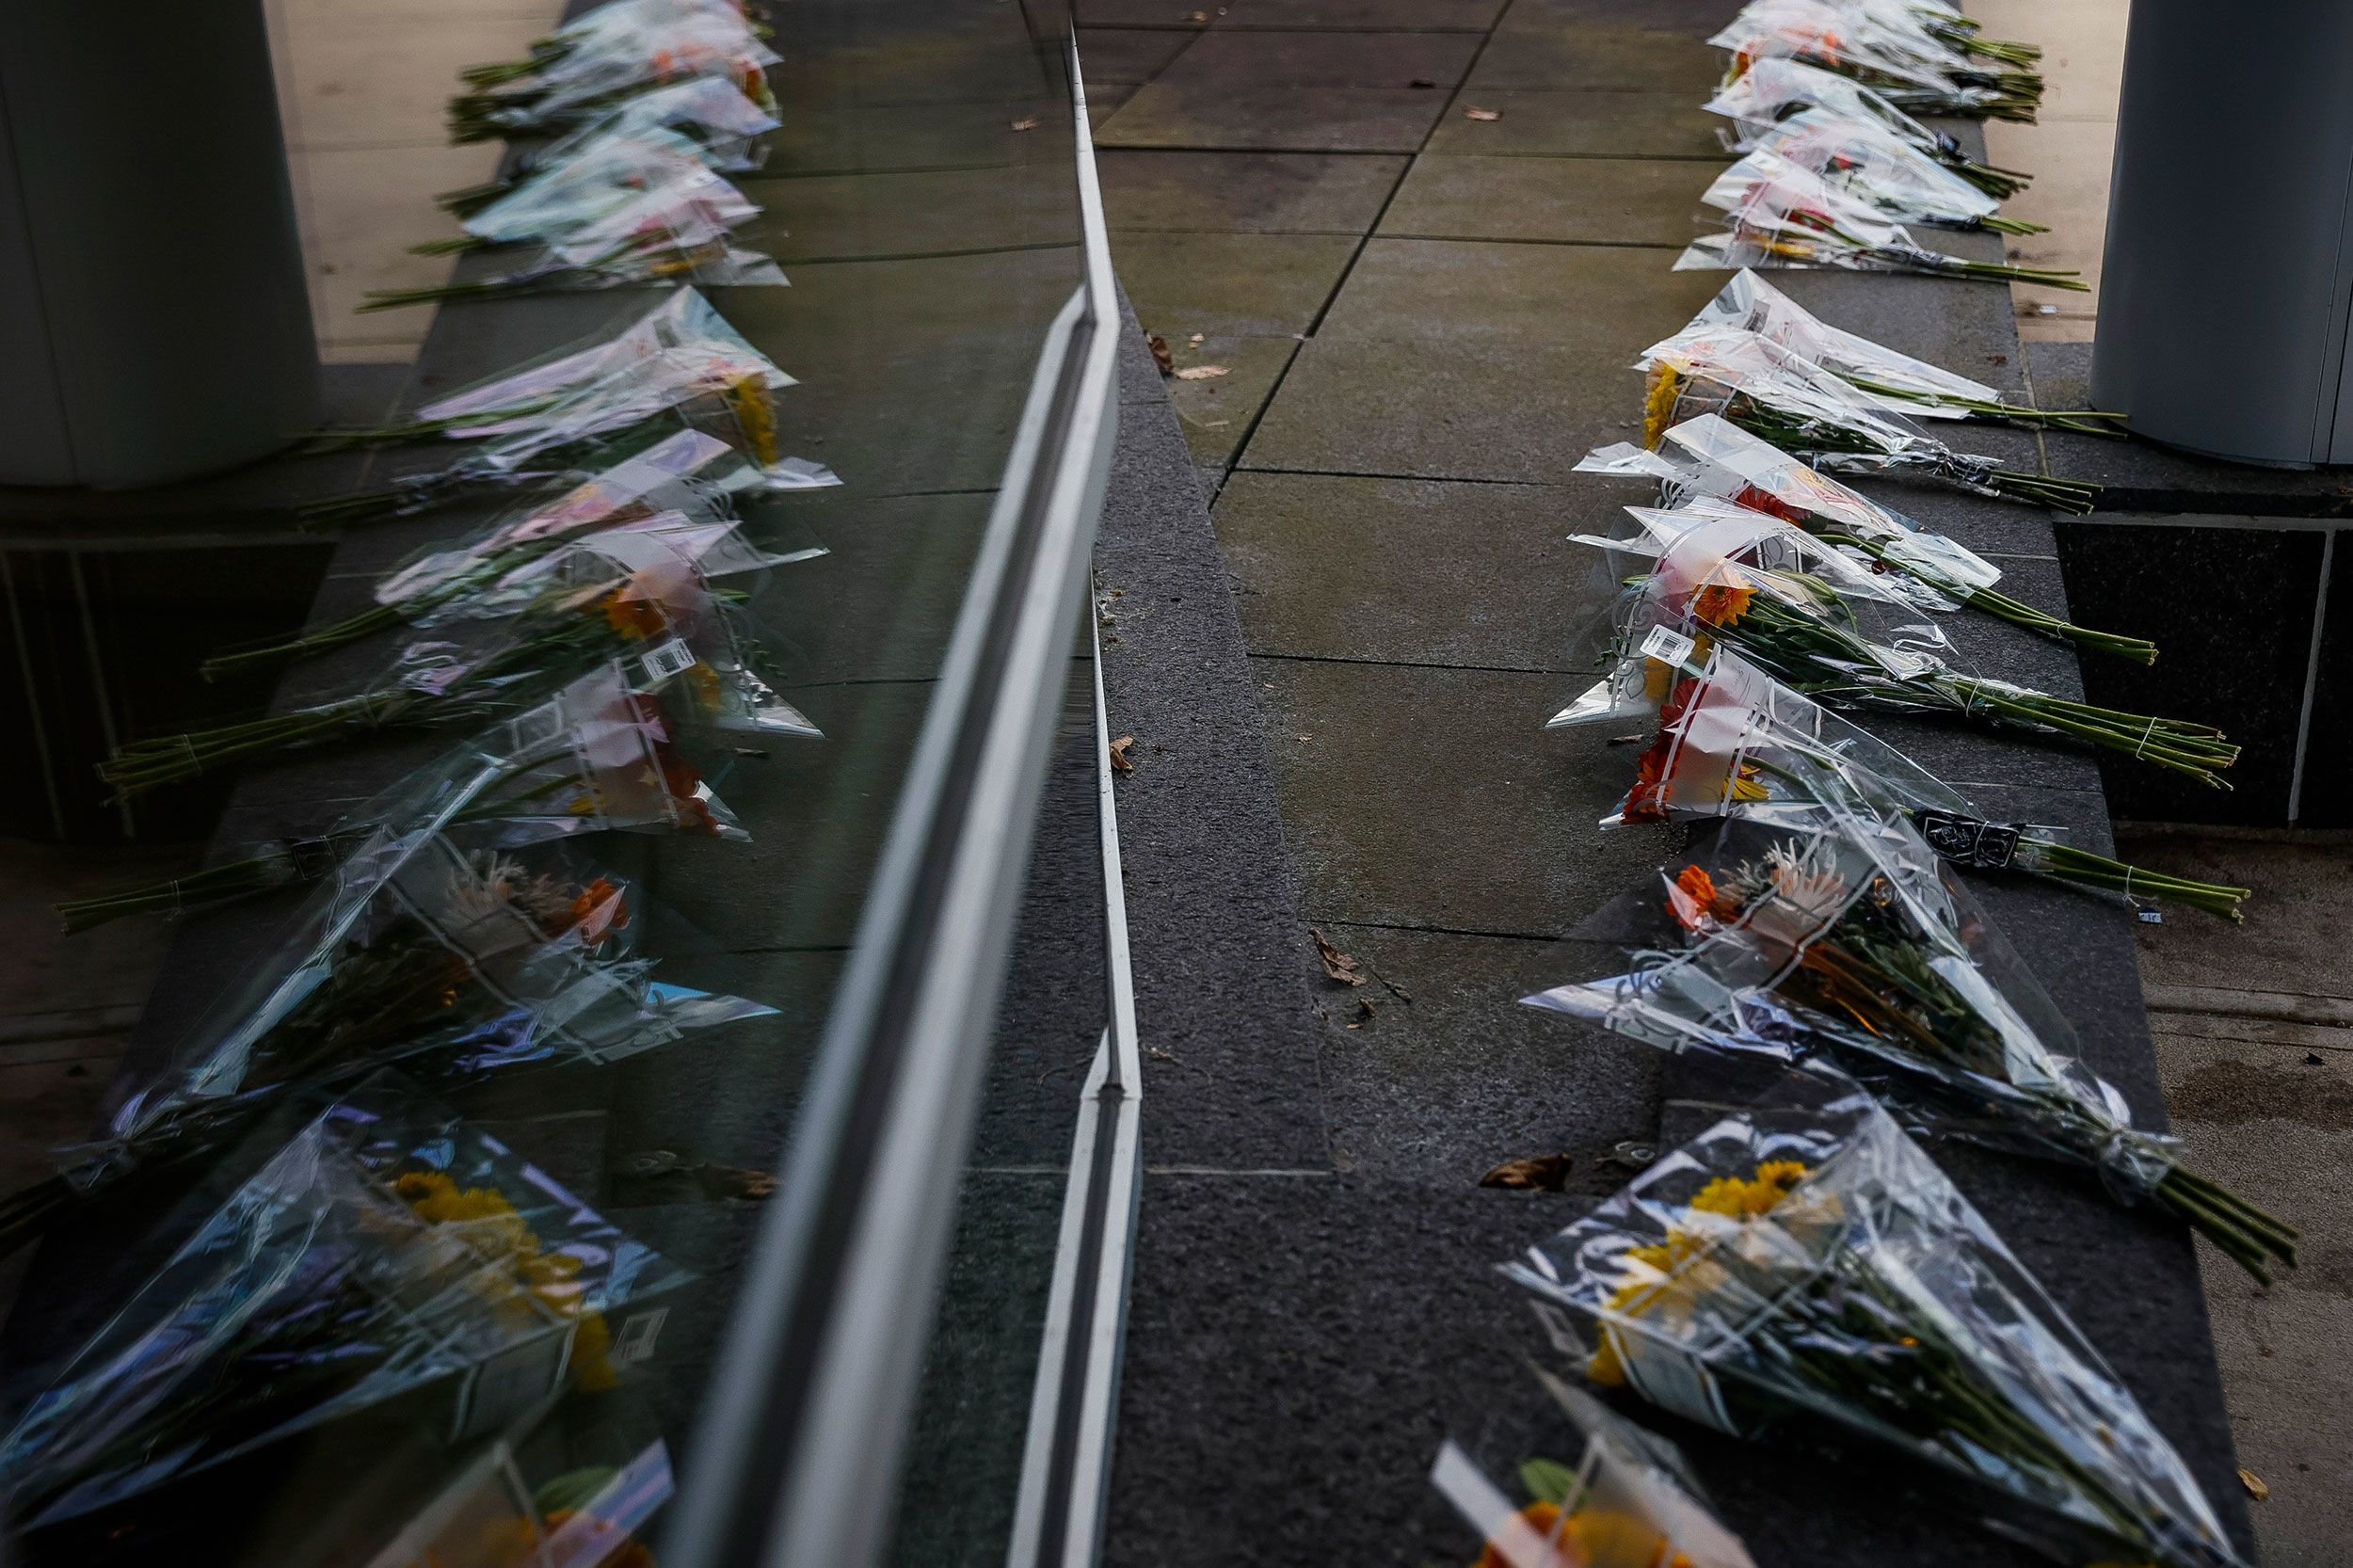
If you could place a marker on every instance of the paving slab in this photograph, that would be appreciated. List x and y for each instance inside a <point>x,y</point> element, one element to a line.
<point>1272,118</point>
<point>1436,798</point>
<point>1426,16</point>
<point>1475,361</point>
<point>1247,285</point>
<point>1237,59</point>
<point>915,213</point>
<point>866,138</point>
<point>2256,1117</point>
<point>1223,962</point>
<point>1130,55</point>
<point>1453,1077</point>
<point>1410,571</point>
<point>1575,57</point>
<point>1297,193</point>
<point>1216,412</point>
<point>1142,13</point>
<point>1592,124</point>
<point>1560,201</point>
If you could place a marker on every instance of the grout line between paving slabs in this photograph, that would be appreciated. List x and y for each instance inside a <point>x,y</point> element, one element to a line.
<point>1242,447</point>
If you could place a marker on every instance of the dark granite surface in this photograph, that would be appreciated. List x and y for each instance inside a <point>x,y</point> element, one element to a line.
<point>1305,1332</point>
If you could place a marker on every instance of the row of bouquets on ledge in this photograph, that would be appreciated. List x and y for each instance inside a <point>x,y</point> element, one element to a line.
<point>1803,1264</point>
<point>355,1278</point>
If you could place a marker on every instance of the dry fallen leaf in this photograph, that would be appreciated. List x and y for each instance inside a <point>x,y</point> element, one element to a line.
<point>1158,346</point>
<point>1628,740</point>
<point>1202,373</point>
<point>1363,1014</point>
<point>1121,761</point>
<point>1538,1173</point>
<point>1337,964</point>
<point>1215,423</point>
<point>1199,16</point>
<point>1195,337</point>
<point>2254,1485</point>
<point>1027,123</point>
<point>1482,114</point>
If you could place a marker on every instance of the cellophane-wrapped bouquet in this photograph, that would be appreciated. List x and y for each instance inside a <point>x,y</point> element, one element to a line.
<point>711,112</point>
<point>1626,1500</point>
<point>634,595</point>
<point>427,951</point>
<point>600,756</point>
<point>1845,937</point>
<point>1713,458</point>
<point>600,176</point>
<point>684,326</point>
<point>1734,741</point>
<point>1893,381</point>
<point>1889,47</point>
<point>631,409</point>
<point>1807,1264</point>
<point>510,1509</point>
<point>1828,626</point>
<point>388,1250</point>
<point>1886,172</point>
<point>673,229</point>
<point>606,56</point>
<point>1771,90</point>
<point>1779,215</point>
<point>1774,393</point>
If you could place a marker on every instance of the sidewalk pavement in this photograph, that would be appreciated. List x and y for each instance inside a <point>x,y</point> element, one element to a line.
<point>1403,323</point>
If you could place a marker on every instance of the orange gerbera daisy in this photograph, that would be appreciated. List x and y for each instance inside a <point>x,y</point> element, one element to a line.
<point>1722,603</point>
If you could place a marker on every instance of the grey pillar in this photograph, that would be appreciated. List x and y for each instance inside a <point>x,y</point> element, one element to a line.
<point>153,321</point>
<point>2223,297</point>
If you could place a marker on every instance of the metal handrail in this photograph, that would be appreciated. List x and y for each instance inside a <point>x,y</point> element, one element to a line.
<point>796,1456</point>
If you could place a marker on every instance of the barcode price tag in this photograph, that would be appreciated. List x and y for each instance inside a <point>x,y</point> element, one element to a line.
<point>1667,646</point>
<point>672,658</point>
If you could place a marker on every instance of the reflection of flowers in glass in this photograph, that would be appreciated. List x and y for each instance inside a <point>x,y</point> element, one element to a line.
<point>491,1227</point>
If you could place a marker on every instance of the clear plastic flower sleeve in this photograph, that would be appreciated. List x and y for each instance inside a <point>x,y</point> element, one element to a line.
<point>386,1251</point>
<point>614,52</point>
<point>1748,303</point>
<point>1606,1494</point>
<point>426,951</point>
<point>1838,934</point>
<point>1806,1261</point>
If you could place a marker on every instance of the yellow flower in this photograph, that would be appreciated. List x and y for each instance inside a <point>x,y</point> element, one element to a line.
<point>1675,1269</point>
<point>747,398</point>
<point>1662,389</point>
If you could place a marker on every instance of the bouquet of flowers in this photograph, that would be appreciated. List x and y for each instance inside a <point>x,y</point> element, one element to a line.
<point>711,112</point>
<point>674,227</point>
<point>1779,215</point>
<point>1888,173</point>
<point>490,1516</point>
<point>1891,381</point>
<point>1885,46</point>
<point>636,410</point>
<point>607,56</point>
<point>600,756</point>
<point>1831,628</point>
<point>1807,1262</point>
<point>602,175</point>
<point>1629,1502</point>
<point>684,326</point>
<point>628,595</point>
<point>1772,90</point>
<point>1733,741</point>
<point>1711,457</point>
<point>426,950</point>
<point>1848,938</point>
<point>387,1251</point>
<point>1774,393</point>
